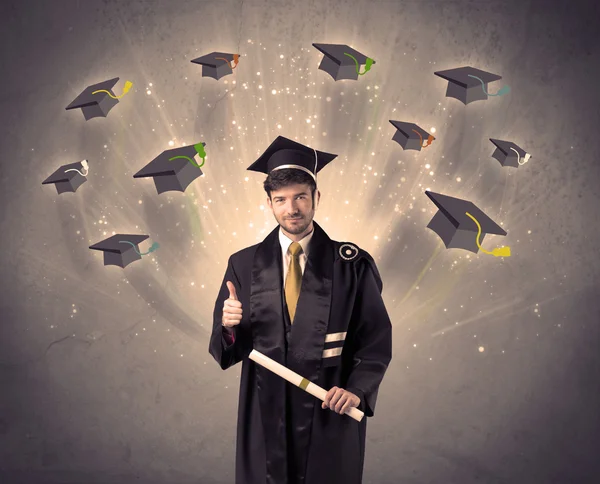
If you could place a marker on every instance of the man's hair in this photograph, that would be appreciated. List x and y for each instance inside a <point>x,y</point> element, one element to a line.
<point>278,179</point>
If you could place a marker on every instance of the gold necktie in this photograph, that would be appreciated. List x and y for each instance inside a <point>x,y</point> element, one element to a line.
<point>293,280</point>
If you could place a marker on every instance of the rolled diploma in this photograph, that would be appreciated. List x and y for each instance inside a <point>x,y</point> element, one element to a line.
<point>295,379</point>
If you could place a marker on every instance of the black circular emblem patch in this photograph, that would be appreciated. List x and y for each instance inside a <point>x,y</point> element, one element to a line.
<point>348,251</point>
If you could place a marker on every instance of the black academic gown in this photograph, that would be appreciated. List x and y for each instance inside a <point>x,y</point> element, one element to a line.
<point>283,434</point>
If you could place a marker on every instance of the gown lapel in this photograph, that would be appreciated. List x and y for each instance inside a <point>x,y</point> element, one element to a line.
<point>308,331</point>
<point>307,341</point>
<point>298,346</point>
<point>266,319</point>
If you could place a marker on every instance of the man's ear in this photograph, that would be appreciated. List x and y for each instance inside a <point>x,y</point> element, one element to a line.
<point>269,202</point>
<point>317,199</point>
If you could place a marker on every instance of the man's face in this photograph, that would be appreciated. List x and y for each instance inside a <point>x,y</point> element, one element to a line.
<point>293,207</point>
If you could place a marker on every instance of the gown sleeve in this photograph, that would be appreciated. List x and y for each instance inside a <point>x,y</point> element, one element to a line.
<point>228,348</point>
<point>373,339</point>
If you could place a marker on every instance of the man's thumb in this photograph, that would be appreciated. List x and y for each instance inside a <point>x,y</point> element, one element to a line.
<point>232,293</point>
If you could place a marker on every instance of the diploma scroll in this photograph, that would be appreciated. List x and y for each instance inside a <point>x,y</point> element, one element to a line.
<point>295,379</point>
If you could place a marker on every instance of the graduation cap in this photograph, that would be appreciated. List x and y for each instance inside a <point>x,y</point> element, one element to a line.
<point>468,84</point>
<point>217,64</point>
<point>509,154</point>
<point>174,170</point>
<point>285,153</point>
<point>343,62</point>
<point>98,99</point>
<point>461,225</point>
<point>122,249</point>
<point>410,136</point>
<point>68,178</point>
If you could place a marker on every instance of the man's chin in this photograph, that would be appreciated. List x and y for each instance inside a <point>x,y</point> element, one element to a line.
<point>295,228</point>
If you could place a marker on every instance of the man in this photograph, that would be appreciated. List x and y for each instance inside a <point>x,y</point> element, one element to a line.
<point>314,305</point>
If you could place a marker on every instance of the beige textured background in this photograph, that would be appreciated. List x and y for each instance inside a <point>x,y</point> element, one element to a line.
<point>105,375</point>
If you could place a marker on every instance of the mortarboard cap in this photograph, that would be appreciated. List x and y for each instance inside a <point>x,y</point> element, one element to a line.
<point>509,154</point>
<point>468,84</point>
<point>343,62</point>
<point>100,103</point>
<point>461,225</point>
<point>285,153</point>
<point>175,169</point>
<point>68,178</point>
<point>217,64</point>
<point>122,249</point>
<point>410,136</point>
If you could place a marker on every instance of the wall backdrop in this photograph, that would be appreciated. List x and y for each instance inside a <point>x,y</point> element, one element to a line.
<point>105,374</point>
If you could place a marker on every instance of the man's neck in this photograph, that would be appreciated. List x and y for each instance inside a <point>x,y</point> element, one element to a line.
<point>298,237</point>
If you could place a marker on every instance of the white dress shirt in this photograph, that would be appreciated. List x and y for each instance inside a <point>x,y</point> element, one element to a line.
<point>285,243</point>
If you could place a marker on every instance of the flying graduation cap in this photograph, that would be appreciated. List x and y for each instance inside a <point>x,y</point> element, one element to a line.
<point>461,225</point>
<point>98,99</point>
<point>410,136</point>
<point>68,178</point>
<point>343,62</point>
<point>468,84</point>
<point>285,153</point>
<point>175,169</point>
<point>509,154</point>
<point>217,64</point>
<point>122,249</point>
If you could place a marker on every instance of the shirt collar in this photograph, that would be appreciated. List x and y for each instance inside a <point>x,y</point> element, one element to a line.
<point>285,242</point>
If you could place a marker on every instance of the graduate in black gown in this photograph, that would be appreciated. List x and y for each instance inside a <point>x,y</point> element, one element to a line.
<point>314,305</point>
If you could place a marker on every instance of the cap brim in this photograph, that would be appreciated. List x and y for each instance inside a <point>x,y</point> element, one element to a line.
<point>86,98</point>
<point>60,176</point>
<point>336,52</point>
<point>212,60</point>
<point>113,244</point>
<point>163,164</point>
<point>461,75</point>
<point>261,165</point>
<point>455,209</point>
<point>407,129</point>
<point>505,147</point>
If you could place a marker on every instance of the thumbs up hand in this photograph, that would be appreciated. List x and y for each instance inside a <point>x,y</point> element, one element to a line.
<point>232,308</point>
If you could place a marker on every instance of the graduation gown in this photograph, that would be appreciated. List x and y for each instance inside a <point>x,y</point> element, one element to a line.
<point>341,336</point>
